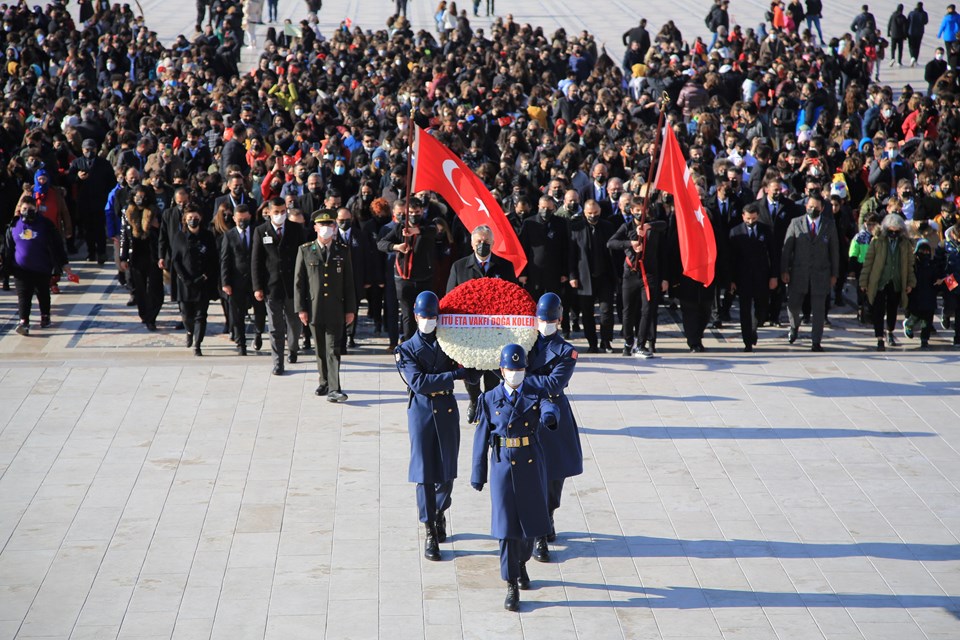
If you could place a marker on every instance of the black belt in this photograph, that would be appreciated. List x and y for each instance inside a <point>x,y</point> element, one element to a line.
<point>440,393</point>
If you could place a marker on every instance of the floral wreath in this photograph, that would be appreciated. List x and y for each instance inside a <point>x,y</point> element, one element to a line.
<point>480,317</point>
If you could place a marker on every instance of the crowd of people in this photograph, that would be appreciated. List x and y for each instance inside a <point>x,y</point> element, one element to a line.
<point>824,187</point>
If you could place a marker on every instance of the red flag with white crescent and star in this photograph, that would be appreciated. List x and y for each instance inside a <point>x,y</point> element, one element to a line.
<point>698,247</point>
<point>438,169</point>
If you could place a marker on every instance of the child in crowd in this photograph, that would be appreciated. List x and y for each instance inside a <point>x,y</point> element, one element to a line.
<point>858,252</point>
<point>922,300</point>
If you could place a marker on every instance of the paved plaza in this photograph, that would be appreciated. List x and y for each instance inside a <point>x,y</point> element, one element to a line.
<point>146,493</point>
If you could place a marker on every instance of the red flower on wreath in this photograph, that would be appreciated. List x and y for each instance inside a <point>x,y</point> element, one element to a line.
<point>489,296</point>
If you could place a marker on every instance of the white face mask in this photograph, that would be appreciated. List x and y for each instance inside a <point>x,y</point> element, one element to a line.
<point>326,232</point>
<point>513,378</point>
<point>546,328</point>
<point>426,325</point>
<point>278,219</point>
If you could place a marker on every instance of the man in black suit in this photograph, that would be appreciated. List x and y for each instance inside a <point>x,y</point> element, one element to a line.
<point>234,197</point>
<point>234,152</point>
<point>545,241</point>
<point>592,274</point>
<point>482,263</point>
<point>776,212</point>
<point>725,209</point>
<point>275,246</point>
<point>352,238</point>
<point>235,275</point>
<point>753,271</point>
<point>171,226</point>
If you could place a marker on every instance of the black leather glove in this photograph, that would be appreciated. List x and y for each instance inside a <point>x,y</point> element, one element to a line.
<point>459,374</point>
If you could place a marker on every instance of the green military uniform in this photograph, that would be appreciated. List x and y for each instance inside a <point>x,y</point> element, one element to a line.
<point>324,288</point>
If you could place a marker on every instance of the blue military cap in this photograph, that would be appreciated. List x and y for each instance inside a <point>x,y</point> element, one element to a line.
<point>427,305</point>
<point>549,308</point>
<point>513,356</point>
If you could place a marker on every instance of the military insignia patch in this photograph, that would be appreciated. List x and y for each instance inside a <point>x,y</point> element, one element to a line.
<point>573,354</point>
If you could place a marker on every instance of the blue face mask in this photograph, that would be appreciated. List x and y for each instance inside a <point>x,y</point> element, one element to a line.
<point>339,170</point>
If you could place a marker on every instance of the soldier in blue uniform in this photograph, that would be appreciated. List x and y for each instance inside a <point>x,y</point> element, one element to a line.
<point>432,419</point>
<point>510,419</point>
<point>550,366</point>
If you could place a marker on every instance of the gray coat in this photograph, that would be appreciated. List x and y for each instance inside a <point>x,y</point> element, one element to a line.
<point>811,261</point>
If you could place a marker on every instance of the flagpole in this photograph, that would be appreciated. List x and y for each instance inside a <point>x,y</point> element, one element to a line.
<point>657,141</point>
<point>405,269</point>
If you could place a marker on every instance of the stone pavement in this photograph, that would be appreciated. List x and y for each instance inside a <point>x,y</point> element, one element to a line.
<point>146,493</point>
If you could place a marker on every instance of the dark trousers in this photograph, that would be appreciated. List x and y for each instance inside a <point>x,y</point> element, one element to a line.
<point>94,227</point>
<point>201,12</point>
<point>554,492</point>
<point>148,291</point>
<point>927,318</point>
<point>328,354</point>
<point>818,311</point>
<point>29,284</point>
<point>602,295</point>
<point>194,316</point>
<point>776,303</point>
<point>513,553</point>
<point>284,328</point>
<point>374,295</point>
<point>401,6</point>
<point>272,10</point>
<point>639,312</point>
<point>407,292</point>
<point>239,303</point>
<point>695,314</point>
<point>490,381</point>
<point>896,50</point>
<point>491,10</point>
<point>433,498</point>
<point>391,313</point>
<point>884,307</point>
<point>913,42</point>
<point>571,307</point>
<point>753,309</point>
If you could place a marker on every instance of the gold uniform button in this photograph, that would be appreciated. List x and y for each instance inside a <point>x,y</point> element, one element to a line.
<point>526,424</point>
<point>326,284</point>
<point>530,460</point>
<point>434,410</point>
<point>449,410</point>
<point>513,462</point>
<point>498,413</point>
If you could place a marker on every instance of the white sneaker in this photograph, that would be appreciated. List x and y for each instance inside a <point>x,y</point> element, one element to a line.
<point>913,62</point>
<point>892,62</point>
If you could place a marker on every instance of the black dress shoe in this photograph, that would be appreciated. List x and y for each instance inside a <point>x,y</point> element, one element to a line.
<point>292,358</point>
<point>131,301</point>
<point>431,551</point>
<point>792,336</point>
<point>472,412</point>
<point>512,601</point>
<point>748,348</point>
<point>278,370</point>
<point>197,352</point>
<point>540,551</point>
<point>441,527</point>
<point>243,349</point>
<point>352,343</point>
<point>189,340</point>
<point>593,349</point>
<point>816,348</point>
<point>257,342</point>
<point>337,396</point>
<point>322,390</point>
<point>880,345</point>
<point>151,326</point>
<point>524,581</point>
<point>306,344</point>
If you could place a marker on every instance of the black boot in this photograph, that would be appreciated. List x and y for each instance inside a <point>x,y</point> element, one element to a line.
<point>441,527</point>
<point>512,601</point>
<point>552,536</point>
<point>189,340</point>
<point>524,581</point>
<point>431,551</point>
<point>540,551</point>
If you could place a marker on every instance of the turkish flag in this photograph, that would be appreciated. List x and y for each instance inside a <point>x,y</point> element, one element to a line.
<point>437,169</point>
<point>698,248</point>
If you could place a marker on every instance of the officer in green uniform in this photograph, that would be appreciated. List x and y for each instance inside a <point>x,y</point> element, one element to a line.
<point>325,298</point>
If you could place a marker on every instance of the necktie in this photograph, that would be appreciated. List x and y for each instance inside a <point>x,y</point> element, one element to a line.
<point>483,267</point>
<point>246,239</point>
<point>723,210</point>
<point>280,233</point>
<point>752,233</point>
<point>813,229</point>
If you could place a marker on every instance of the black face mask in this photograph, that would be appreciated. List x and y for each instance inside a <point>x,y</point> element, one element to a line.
<point>28,215</point>
<point>343,224</point>
<point>546,214</point>
<point>483,250</point>
<point>193,223</point>
<point>367,197</point>
<point>592,219</point>
<point>414,218</point>
<point>638,217</point>
<point>243,224</point>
